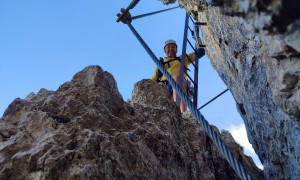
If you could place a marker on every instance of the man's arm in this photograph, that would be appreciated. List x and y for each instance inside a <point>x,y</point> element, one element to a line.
<point>154,76</point>
<point>200,53</point>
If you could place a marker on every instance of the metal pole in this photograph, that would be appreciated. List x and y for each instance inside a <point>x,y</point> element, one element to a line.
<point>213,99</point>
<point>152,13</point>
<point>183,55</point>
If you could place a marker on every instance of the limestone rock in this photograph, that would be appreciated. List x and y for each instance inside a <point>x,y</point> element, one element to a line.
<point>84,130</point>
<point>255,48</point>
<point>273,15</point>
<point>168,1</point>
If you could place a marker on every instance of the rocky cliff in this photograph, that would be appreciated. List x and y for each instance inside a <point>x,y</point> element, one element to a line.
<point>255,48</point>
<point>84,130</point>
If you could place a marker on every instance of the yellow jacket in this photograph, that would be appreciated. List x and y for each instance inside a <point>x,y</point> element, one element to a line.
<point>174,68</point>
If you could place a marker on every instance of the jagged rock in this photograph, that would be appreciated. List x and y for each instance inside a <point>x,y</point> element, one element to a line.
<point>168,1</point>
<point>154,95</point>
<point>272,15</point>
<point>85,130</point>
<point>255,48</point>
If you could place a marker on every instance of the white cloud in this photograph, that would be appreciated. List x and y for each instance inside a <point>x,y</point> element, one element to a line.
<point>260,166</point>
<point>240,136</point>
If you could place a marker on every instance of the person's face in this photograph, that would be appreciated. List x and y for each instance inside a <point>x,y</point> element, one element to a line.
<point>170,50</point>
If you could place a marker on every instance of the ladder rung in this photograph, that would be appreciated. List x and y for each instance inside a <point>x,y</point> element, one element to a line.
<point>200,23</point>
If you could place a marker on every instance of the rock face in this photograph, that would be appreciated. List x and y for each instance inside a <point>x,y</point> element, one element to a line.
<point>85,130</point>
<point>255,48</point>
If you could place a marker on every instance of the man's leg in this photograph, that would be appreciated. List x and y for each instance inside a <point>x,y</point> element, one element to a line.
<point>182,104</point>
<point>174,91</point>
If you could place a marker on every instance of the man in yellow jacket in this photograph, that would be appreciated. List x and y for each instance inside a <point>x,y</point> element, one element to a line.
<point>172,65</point>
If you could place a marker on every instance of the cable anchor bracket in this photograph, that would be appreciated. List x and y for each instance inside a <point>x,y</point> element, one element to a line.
<point>124,16</point>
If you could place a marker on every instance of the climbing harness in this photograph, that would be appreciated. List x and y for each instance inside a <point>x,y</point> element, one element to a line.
<point>236,165</point>
<point>188,85</point>
<point>159,74</point>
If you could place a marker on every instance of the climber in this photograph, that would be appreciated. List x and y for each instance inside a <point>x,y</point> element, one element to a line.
<point>172,65</point>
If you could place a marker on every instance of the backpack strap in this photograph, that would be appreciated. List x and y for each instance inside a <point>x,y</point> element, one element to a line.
<point>179,59</point>
<point>159,73</point>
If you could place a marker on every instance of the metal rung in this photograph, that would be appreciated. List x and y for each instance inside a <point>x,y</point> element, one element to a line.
<point>200,23</point>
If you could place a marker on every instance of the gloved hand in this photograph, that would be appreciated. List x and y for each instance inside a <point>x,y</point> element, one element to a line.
<point>200,52</point>
<point>159,74</point>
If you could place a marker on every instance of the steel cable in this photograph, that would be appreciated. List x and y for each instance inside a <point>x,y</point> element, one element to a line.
<point>237,166</point>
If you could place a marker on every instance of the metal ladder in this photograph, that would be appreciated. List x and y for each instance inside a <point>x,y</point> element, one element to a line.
<point>126,18</point>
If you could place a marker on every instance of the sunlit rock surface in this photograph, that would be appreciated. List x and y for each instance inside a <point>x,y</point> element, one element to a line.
<point>84,130</point>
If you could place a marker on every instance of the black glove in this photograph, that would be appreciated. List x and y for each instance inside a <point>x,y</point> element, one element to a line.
<point>159,74</point>
<point>200,52</point>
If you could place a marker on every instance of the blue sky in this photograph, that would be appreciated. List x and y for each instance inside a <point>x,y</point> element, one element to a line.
<point>44,43</point>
